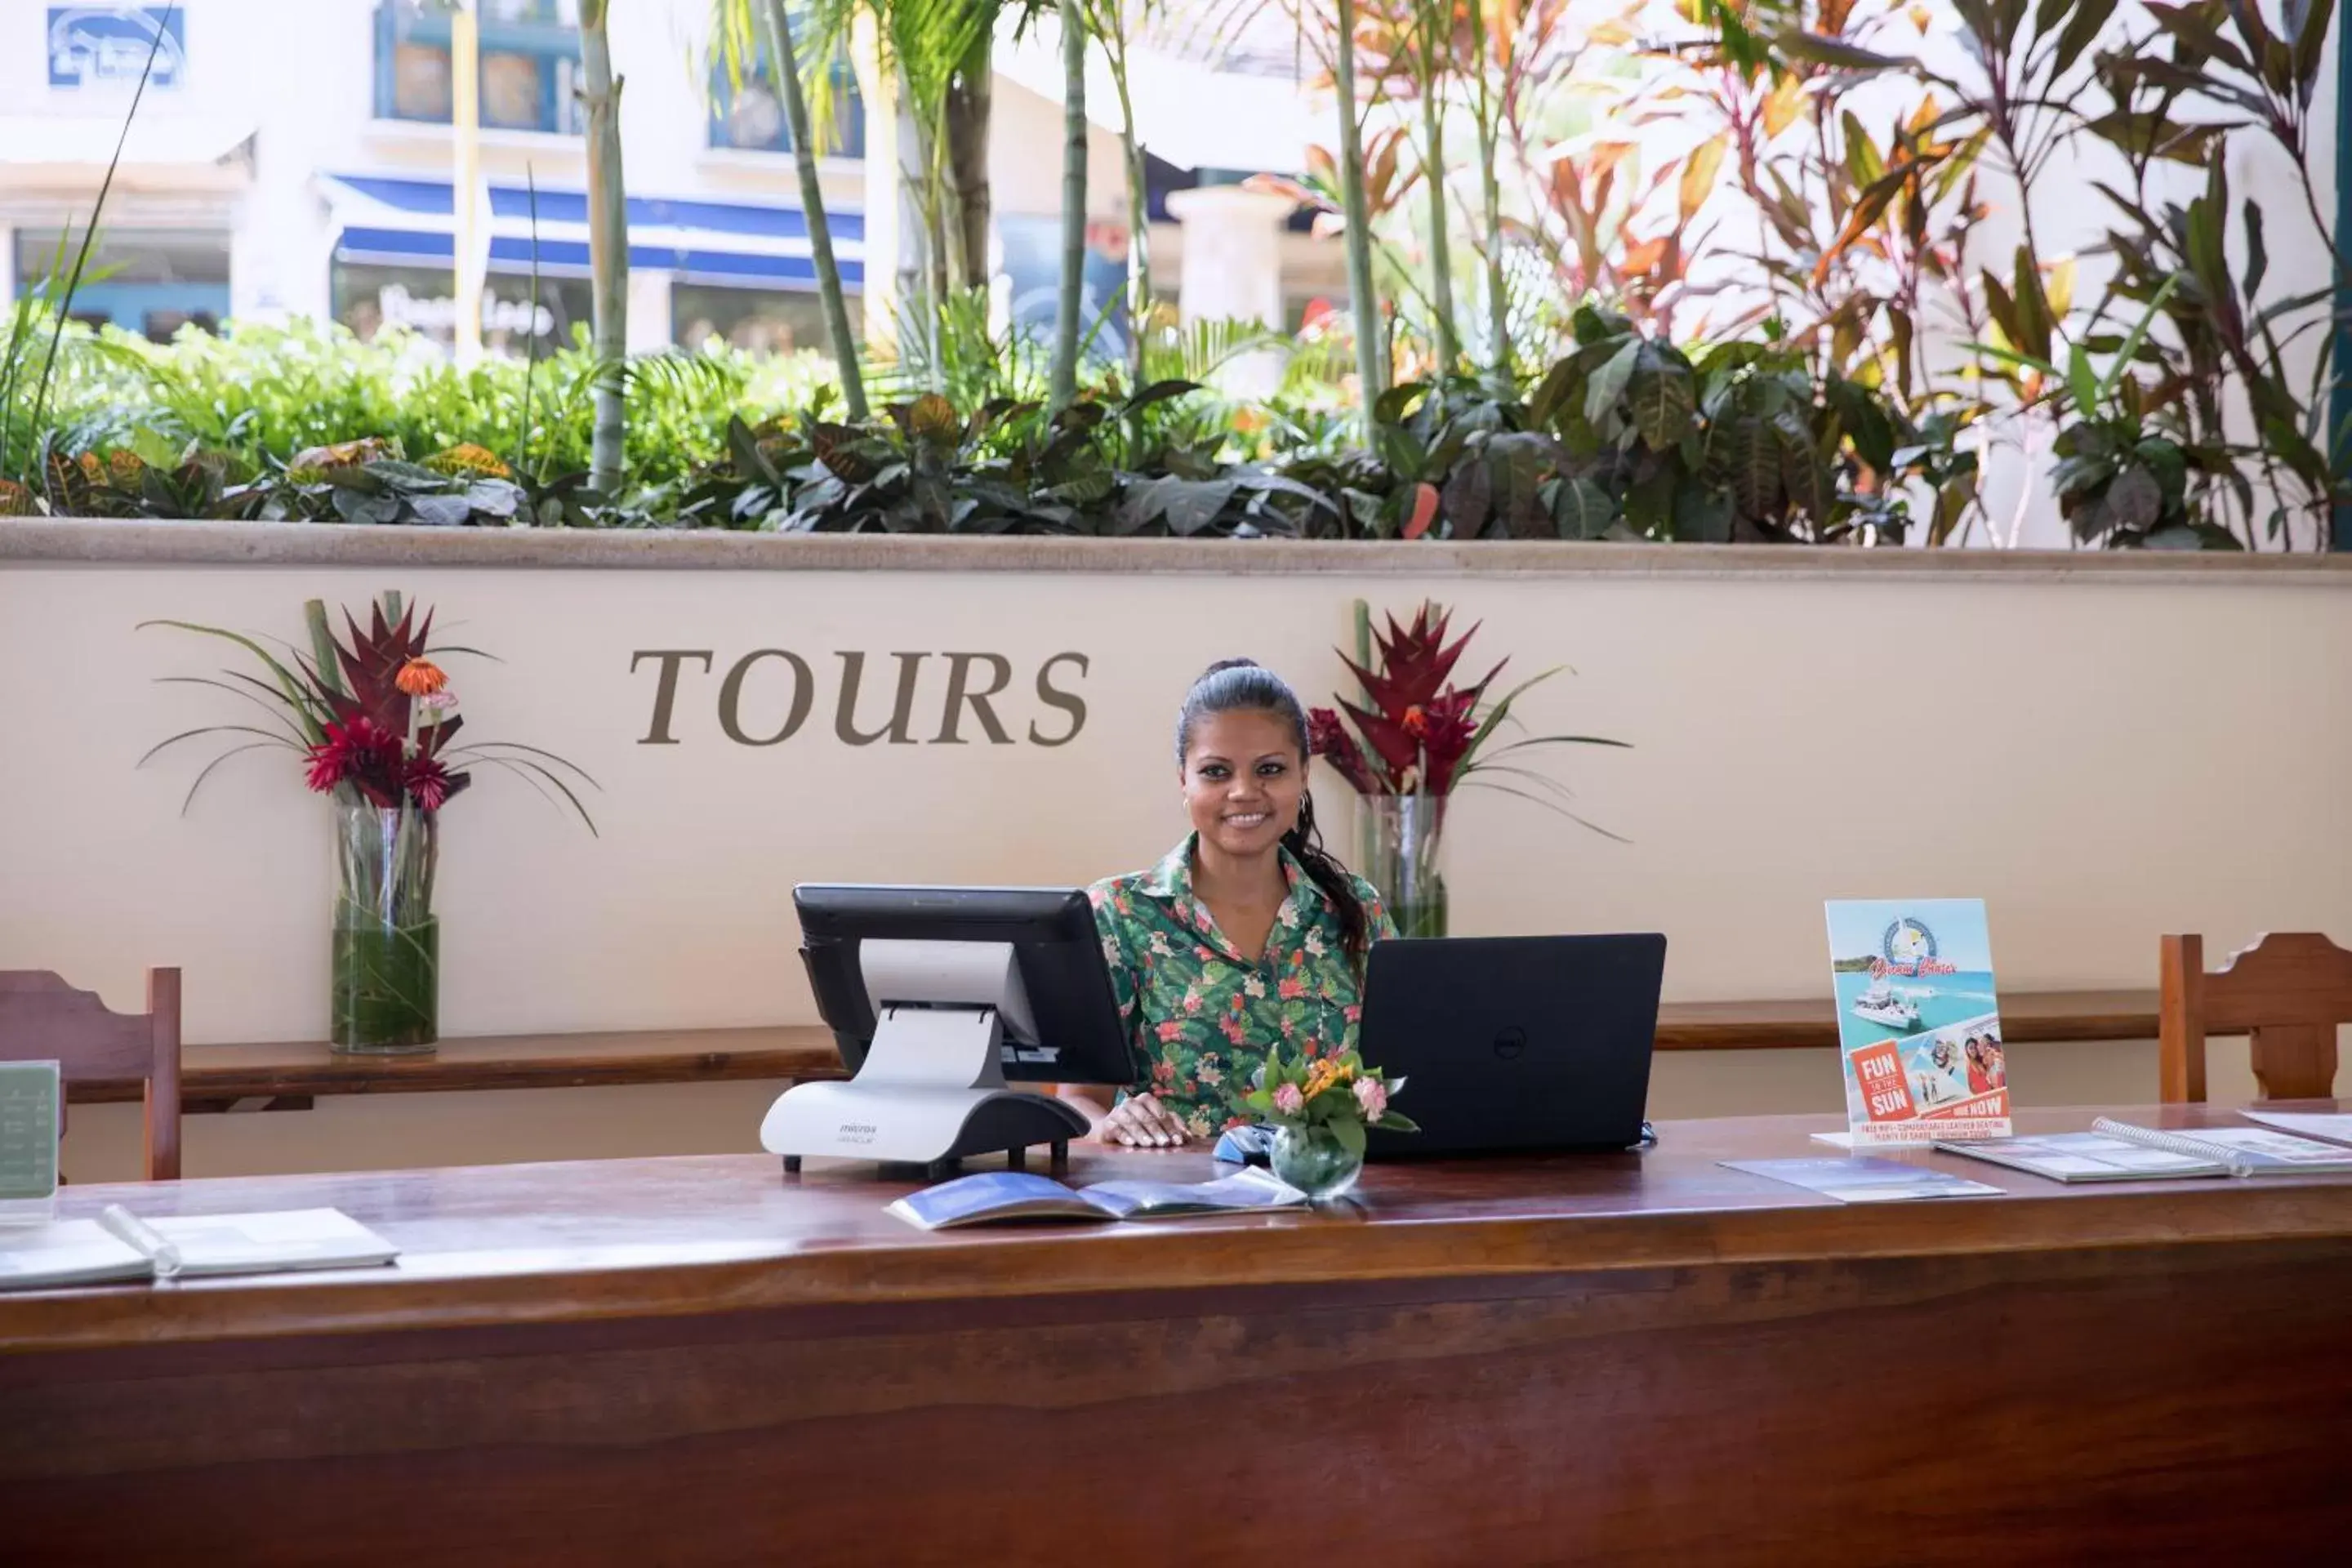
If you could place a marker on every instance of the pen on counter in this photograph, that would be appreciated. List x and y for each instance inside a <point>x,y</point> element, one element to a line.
<point>122,1223</point>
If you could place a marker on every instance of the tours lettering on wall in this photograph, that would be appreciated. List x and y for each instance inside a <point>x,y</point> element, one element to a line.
<point>767,696</point>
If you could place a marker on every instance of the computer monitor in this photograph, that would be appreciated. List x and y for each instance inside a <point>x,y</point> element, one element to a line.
<point>1061,1018</point>
<point>940,999</point>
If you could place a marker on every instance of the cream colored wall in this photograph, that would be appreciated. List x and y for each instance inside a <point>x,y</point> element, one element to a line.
<point>2102,760</point>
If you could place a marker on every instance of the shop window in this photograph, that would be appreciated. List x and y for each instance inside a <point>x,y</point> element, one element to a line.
<point>528,67</point>
<point>748,115</point>
<point>760,320</point>
<point>368,298</point>
<point>149,282</point>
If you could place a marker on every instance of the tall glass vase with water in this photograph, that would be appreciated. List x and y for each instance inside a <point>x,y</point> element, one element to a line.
<point>1399,840</point>
<point>386,973</point>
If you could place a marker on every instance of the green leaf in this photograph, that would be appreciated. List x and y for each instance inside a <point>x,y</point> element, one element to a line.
<point>2123,356</point>
<point>2136,499</point>
<point>1608,383</point>
<point>1515,461</point>
<point>1664,398</point>
<point>1650,502</point>
<point>1552,393</point>
<point>1828,51</point>
<point>1580,508</point>
<point>2258,260</point>
<point>2083,26</point>
<point>1469,498</point>
<point>1750,461</point>
<point>2082,382</point>
<point>1159,392</point>
<point>1701,512</point>
<point>1346,1131</point>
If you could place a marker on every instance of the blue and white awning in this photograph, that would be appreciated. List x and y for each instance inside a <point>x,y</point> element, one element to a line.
<point>409,223</point>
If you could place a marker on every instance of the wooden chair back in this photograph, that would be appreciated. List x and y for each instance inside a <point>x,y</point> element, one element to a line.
<point>2287,993</point>
<point>43,1018</point>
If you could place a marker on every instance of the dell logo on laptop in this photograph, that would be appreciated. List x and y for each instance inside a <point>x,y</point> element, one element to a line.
<point>1511,1044</point>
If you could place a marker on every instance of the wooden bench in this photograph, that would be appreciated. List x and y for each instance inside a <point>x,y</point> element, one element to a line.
<point>289,1075</point>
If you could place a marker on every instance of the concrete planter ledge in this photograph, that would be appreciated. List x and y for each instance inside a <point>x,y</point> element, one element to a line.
<point>96,542</point>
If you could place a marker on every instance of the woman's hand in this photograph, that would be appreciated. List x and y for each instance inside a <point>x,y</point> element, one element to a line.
<point>1140,1122</point>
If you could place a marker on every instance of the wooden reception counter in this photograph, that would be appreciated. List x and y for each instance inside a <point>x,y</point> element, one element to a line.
<point>1641,1359</point>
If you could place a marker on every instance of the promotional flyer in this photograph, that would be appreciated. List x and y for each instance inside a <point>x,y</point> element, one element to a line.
<point>1919,1026</point>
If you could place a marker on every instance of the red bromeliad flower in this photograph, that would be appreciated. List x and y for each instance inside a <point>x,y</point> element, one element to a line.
<point>1411,692</point>
<point>374,718</point>
<point>384,738</point>
<point>429,784</point>
<point>1419,727</point>
<point>361,753</point>
<point>1329,739</point>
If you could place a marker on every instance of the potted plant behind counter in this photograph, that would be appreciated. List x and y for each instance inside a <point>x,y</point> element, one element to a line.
<point>373,722</point>
<point>1422,738</point>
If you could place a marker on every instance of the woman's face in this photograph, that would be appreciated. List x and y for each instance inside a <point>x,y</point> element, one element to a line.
<point>1244,778</point>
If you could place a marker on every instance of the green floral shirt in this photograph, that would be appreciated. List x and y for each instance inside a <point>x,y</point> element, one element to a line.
<point>1200,1013</point>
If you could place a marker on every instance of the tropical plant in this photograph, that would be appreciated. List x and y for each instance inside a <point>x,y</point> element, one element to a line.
<point>1116,468</point>
<point>368,481</point>
<point>1063,382</point>
<point>50,305</point>
<point>2161,86</point>
<point>936,54</point>
<point>735,24</point>
<point>1112,24</point>
<point>608,243</point>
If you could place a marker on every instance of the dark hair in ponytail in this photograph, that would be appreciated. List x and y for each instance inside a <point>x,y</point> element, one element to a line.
<point>1245,685</point>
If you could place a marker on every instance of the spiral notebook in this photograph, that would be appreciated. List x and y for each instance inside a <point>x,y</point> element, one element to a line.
<point>2244,1151</point>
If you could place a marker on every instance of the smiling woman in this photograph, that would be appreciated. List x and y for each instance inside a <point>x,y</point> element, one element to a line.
<point>1247,936</point>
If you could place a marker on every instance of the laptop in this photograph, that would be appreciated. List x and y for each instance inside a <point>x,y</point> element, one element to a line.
<point>1514,1042</point>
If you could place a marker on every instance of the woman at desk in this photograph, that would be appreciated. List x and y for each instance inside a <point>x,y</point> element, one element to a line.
<point>1247,935</point>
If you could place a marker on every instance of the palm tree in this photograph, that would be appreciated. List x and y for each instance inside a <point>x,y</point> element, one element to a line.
<point>931,47</point>
<point>732,27</point>
<point>1063,382</point>
<point>1107,20</point>
<point>1487,108</point>
<point>1371,342</point>
<point>608,246</point>
<point>1433,27</point>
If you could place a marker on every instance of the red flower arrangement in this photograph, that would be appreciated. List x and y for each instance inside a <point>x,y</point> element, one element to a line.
<point>391,717</point>
<point>373,715</point>
<point>1421,733</point>
<point>1415,739</point>
<point>374,720</point>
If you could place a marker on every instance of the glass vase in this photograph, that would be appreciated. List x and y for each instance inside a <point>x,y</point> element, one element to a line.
<point>386,974</point>
<point>1314,1162</point>
<point>1399,837</point>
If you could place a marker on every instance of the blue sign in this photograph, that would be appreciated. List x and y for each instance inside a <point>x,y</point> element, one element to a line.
<point>1033,260</point>
<point>91,46</point>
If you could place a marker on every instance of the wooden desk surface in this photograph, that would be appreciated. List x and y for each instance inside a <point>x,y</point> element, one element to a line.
<point>1632,1360</point>
<point>599,1240</point>
<point>219,1074</point>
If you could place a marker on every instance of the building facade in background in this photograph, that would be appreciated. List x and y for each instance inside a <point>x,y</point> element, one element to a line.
<point>294,158</point>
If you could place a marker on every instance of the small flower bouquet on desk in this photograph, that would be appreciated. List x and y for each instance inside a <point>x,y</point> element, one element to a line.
<point>372,716</point>
<point>1319,1108</point>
